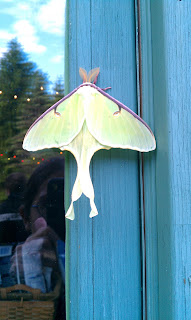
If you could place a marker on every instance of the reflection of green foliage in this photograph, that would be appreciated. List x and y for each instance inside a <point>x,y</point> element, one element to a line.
<point>58,90</point>
<point>15,75</point>
<point>20,77</point>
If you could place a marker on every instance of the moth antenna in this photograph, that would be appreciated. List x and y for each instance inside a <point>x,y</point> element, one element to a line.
<point>83,75</point>
<point>92,75</point>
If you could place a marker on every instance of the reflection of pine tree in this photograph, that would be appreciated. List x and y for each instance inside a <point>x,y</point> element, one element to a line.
<point>32,105</point>
<point>35,102</point>
<point>58,90</point>
<point>20,78</point>
<point>15,78</point>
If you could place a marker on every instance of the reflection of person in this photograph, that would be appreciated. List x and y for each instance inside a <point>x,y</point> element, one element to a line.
<point>11,225</point>
<point>37,257</point>
<point>35,201</point>
<point>15,187</point>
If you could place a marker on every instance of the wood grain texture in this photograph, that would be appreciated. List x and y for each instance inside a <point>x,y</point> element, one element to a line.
<point>104,252</point>
<point>166,82</point>
<point>80,233</point>
<point>177,24</point>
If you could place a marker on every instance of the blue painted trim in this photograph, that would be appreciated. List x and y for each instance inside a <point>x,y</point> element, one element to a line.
<point>105,257</point>
<point>165,32</point>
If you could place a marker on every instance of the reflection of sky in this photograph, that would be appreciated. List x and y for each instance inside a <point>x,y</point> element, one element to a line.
<point>39,27</point>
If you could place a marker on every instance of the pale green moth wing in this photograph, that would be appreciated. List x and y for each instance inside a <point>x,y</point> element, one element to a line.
<point>57,126</point>
<point>114,126</point>
<point>83,147</point>
<point>83,122</point>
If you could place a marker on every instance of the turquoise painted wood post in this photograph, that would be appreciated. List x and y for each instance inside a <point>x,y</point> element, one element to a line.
<point>166,72</point>
<point>104,253</point>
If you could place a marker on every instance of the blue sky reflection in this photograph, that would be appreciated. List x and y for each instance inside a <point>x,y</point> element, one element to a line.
<point>39,27</point>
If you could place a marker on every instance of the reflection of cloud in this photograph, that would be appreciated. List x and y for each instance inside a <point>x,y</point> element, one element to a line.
<point>38,26</point>
<point>2,51</point>
<point>18,9</point>
<point>5,35</point>
<point>57,59</point>
<point>51,16</point>
<point>25,33</point>
<point>23,6</point>
<point>48,17</point>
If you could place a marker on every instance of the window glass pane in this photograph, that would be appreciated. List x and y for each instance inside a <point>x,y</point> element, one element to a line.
<point>32,221</point>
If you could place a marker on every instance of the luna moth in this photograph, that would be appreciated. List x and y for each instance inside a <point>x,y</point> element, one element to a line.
<point>83,122</point>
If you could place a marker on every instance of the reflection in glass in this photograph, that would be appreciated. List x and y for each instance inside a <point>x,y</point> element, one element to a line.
<point>31,80</point>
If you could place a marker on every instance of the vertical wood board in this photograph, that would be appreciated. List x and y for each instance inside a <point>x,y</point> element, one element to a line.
<point>177,24</point>
<point>166,80</point>
<point>104,252</point>
<point>80,230</point>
